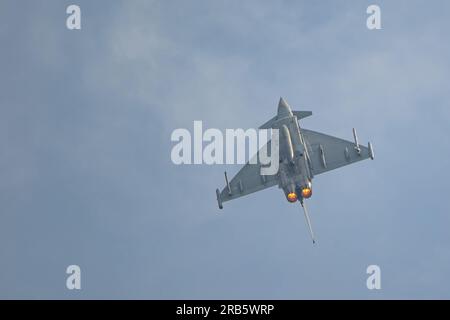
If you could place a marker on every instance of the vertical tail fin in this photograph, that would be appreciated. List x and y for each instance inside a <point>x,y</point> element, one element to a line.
<point>308,221</point>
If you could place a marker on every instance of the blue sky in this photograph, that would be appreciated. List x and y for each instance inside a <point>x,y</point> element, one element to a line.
<point>85,170</point>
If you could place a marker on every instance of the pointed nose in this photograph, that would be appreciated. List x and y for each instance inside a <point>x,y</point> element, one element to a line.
<point>284,110</point>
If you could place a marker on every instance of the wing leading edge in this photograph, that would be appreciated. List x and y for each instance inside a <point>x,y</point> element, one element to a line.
<point>329,153</point>
<point>248,180</point>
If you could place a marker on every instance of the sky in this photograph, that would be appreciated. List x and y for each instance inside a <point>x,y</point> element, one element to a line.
<point>86,176</point>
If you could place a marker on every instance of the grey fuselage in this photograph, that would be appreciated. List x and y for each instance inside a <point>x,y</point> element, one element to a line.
<point>294,170</point>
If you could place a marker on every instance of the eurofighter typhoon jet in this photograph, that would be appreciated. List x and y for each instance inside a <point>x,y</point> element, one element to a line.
<point>302,155</point>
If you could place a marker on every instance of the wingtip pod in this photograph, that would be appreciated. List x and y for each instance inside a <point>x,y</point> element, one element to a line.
<point>355,137</point>
<point>219,199</point>
<point>371,153</point>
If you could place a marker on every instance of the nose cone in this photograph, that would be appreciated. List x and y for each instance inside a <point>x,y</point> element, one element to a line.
<point>284,110</point>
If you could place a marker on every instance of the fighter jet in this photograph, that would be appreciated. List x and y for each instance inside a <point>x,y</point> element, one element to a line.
<point>302,154</point>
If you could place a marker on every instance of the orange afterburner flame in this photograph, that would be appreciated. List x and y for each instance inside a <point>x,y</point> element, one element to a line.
<point>292,197</point>
<point>306,193</point>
